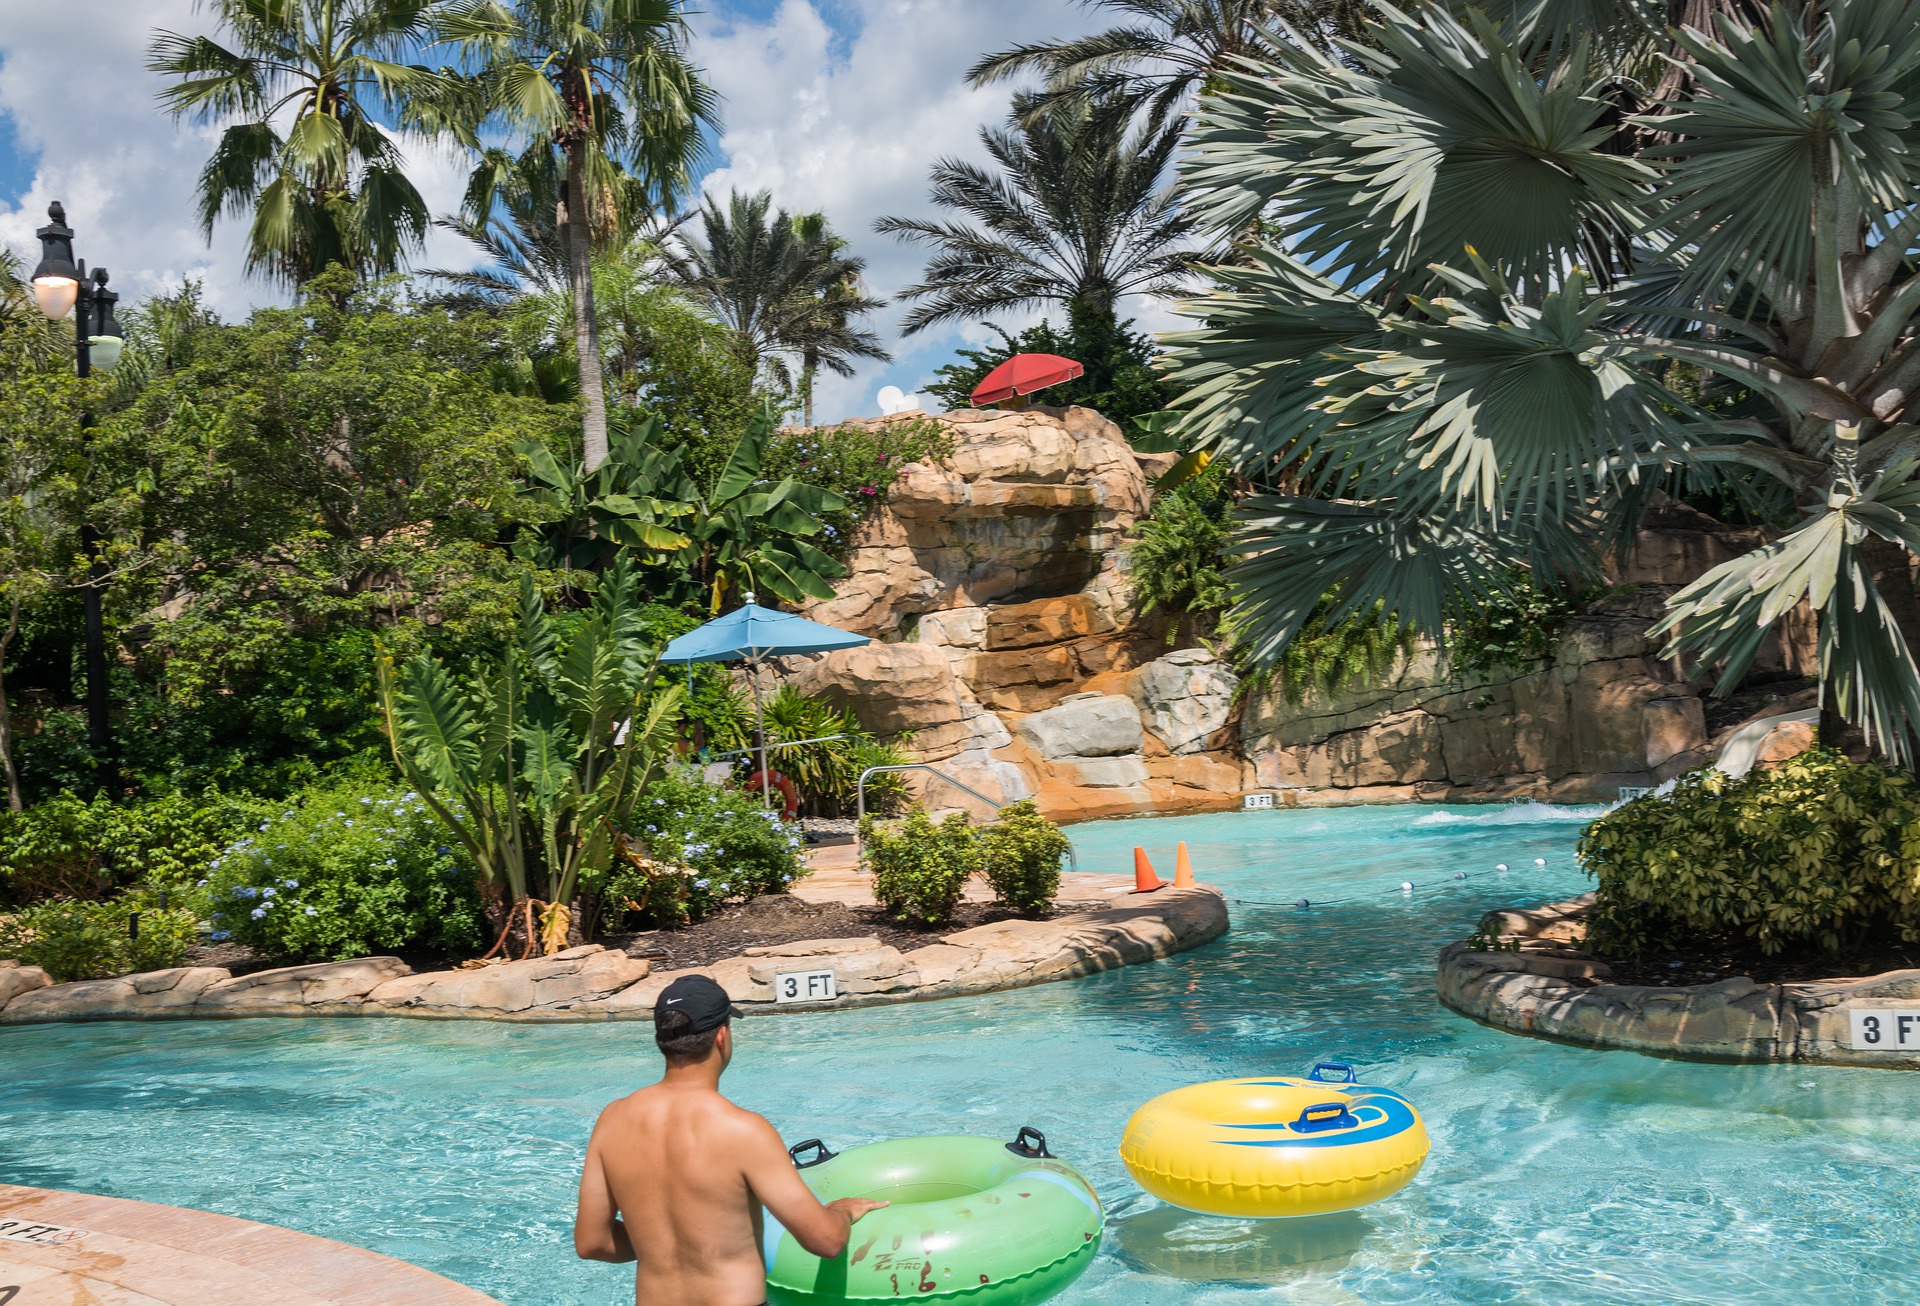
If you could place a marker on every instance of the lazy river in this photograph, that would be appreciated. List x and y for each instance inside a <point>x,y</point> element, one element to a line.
<point>1559,1175</point>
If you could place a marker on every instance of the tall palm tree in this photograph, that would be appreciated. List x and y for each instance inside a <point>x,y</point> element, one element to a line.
<point>1078,216</point>
<point>1421,337</point>
<point>591,86</point>
<point>780,284</point>
<point>819,317</point>
<point>331,187</point>
<point>1163,52</point>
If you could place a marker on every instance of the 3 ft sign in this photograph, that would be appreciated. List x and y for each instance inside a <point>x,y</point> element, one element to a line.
<point>805,986</point>
<point>1885,1029</point>
<point>32,1231</point>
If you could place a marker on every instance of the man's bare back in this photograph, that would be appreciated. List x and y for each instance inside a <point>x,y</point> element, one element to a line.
<point>675,1178</point>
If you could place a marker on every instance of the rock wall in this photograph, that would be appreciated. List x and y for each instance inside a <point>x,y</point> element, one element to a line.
<point>1008,645</point>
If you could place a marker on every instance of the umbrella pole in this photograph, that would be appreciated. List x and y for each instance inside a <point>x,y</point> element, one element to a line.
<point>760,715</point>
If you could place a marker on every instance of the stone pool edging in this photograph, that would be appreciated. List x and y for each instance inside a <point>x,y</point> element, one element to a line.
<point>592,983</point>
<point>1536,980</point>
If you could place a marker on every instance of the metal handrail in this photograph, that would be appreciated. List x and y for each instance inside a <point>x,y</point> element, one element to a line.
<point>772,748</point>
<point>860,798</point>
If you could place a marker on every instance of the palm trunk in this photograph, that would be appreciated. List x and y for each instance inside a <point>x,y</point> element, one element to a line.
<point>14,803</point>
<point>578,235</point>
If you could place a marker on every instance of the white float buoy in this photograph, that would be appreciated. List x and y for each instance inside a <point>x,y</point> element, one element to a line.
<point>1303,903</point>
<point>1501,867</point>
<point>1406,886</point>
<point>1459,875</point>
<point>1539,861</point>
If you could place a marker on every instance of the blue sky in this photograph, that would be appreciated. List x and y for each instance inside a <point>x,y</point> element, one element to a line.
<point>836,105</point>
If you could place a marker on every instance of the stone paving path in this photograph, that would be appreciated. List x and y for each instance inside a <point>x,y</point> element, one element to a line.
<point>73,1249</point>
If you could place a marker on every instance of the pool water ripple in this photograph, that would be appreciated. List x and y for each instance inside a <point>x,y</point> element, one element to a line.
<point>1560,1176</point>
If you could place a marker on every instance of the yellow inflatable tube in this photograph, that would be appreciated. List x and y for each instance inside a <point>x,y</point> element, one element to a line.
<point>1276,1146</point>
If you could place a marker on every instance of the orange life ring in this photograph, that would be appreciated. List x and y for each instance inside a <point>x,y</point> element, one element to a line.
<point>784,785</point>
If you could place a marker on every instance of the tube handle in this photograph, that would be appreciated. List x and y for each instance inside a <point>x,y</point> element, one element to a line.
<point>1323,1116</point>
<point>818,1148</point>
<point>1333,1068</point>
<point>1035,1150</point>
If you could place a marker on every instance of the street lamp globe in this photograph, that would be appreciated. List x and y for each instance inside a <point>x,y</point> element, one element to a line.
<point>104,347</point>
<point>56,282</point>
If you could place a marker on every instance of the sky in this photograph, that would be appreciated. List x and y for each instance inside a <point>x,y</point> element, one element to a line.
<point>836,105</point>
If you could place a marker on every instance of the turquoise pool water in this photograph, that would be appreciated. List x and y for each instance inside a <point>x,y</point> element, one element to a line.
<point>1559,1176</point>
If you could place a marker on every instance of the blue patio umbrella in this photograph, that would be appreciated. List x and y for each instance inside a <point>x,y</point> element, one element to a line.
<point>753,632</point>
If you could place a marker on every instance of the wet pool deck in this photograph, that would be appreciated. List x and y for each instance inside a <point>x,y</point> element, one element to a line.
<point>73,1249</point>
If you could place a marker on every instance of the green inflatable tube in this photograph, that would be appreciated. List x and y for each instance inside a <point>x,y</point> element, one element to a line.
<point>972,1220</point>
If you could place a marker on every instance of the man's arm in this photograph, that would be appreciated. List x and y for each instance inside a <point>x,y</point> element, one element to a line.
<point>777,1185</point>
<point>598,1234</point>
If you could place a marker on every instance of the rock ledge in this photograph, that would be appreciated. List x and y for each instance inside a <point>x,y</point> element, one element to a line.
<point>1534,979</point>
<point>593,983</point>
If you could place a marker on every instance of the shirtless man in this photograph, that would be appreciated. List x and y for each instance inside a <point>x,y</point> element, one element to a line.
<point>676,1174</point>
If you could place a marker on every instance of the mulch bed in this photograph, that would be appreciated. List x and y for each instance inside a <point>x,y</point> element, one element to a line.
<point>1725,960</point>
<point>769,919</point>
<point>783,918</point>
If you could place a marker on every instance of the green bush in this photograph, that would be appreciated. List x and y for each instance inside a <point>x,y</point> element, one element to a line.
<point>717,845</point>
<point>343,872</point>
<point>1021,855</point>
<point>76,940</point>
<point>1818,851</point>
<point>920,870</point>
<point>67,848</point>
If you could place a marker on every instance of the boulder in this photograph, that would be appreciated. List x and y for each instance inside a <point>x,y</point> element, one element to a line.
<point>301,990</point>
<point>858,965</point>
<point>515,988</point>
<point>1674,726</point>
<point>893,688</point>
<point>1106,772</point>
<point>1786,741</point>
<point>16,979</point>
<point>154,994</point>
<point>1084,725</point>
<point>1185,697</point>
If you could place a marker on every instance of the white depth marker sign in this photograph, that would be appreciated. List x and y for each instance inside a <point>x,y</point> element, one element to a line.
<point>1885,1029</point>
<point>805,986</point>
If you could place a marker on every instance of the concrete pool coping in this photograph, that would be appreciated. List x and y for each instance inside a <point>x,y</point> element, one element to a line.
<point>1525,973</point>
<point>592,983</point>
<point>63,1249</point>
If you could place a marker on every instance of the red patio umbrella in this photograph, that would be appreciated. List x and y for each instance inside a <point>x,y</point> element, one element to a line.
<point>1022,375</point>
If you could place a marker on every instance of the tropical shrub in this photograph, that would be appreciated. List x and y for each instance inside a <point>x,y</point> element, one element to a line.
<point>76,940</point>
<point>1177,556</point>
<point>1818,852</point>
<point>1513,626</point>
<point>859,463</point>
<point>826,773</point>
<point>67,848</point>
<point>539,753</point>
<point>699,847</point>
<point>920,870</point>
<point>1020,853</point>
<point>343,872</point>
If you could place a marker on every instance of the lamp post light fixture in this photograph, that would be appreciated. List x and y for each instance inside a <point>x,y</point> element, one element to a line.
<point>61,286</point>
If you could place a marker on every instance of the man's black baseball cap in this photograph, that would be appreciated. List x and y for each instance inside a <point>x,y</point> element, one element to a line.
<point>698,997</point>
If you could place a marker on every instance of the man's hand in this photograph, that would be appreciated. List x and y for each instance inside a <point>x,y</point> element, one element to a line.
<point>854,1207</point>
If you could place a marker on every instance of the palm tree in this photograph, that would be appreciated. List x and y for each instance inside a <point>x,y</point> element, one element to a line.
<point>817,322</point>
<point>1163,52</point>
<point>1078,217</point>
<point>593,85</point>
<point>779,283</point>
<point>332,188</point>
<point>1421,337</point>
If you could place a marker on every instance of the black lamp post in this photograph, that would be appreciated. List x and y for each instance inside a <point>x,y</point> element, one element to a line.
<point>60,286</point>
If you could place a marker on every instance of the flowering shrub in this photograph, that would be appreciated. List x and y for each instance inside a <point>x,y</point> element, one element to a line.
<point>860,463</point>
<point>343,872</point>
<point>703,847</point>
<point>69,848</point>
<point>73,940</point>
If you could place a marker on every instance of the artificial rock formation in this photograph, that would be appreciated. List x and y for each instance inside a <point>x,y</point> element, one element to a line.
<point>1010,648</point>
<point>996,583</point>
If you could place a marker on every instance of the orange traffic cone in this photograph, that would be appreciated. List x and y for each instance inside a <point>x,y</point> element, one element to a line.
<point>1144,880</point>
<point>1182,868</point>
